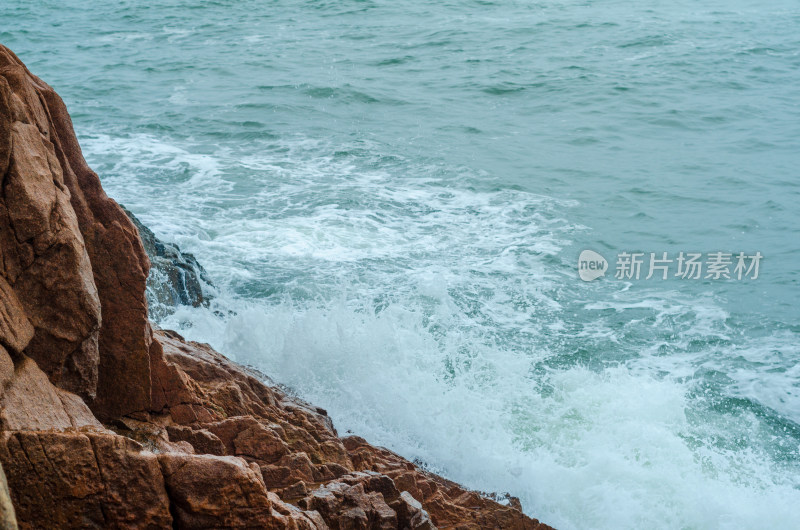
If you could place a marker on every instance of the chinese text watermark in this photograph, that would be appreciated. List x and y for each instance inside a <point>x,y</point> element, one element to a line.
<point>663,265</point>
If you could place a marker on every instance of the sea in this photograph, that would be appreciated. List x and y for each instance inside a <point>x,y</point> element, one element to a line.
<point>391,199</point>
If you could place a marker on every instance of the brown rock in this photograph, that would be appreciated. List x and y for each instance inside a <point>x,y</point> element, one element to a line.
<point>215,492</point>
<point>51,275</point>
<point>134,494</point>
<point>15,329</point>
<point>296,491</point>
<point>71,480</point>
<point>411,514</point>
<point>30,192</point>
<point>277,476</point>
<point>345,506</point>
<point>30,402</point>
<point>367,500</point>
<point>170,386</point>
<point>73,254</point>
<point>120,268</point>
<point>228,430</point>
<point>244,436</point>
<point>291,517</point>
<point>79,414</point>
<point>261,444</point>
<point>202,441</point>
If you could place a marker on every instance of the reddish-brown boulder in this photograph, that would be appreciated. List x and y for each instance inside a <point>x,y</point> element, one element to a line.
<point>216,492</point>
<point>83,480</point>
<point>203,442</point>
<point>366,500</point>
<point>30,402</point>
<point>45,273</point>
<point>345,506</point>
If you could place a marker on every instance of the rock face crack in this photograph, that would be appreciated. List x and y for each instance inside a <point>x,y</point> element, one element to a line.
<point>100,472</point>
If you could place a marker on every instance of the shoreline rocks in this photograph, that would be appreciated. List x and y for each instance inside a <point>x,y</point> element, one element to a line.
<point>106,423</point>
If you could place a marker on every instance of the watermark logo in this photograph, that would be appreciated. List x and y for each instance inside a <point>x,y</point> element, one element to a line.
<point>662,265</point>
<point>591,265</point>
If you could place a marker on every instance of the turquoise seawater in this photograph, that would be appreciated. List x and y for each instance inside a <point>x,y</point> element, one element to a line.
<point>391,198</point>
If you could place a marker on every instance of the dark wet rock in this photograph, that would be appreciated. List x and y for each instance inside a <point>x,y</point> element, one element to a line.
<point>176,278</point>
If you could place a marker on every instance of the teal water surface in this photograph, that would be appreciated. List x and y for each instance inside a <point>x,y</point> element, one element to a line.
<point>391,198</point>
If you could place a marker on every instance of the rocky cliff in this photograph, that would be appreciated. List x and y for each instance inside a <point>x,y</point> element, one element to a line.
<point>106,423</point>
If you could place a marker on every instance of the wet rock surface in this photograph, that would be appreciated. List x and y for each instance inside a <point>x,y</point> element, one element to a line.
<point>176,278</point>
